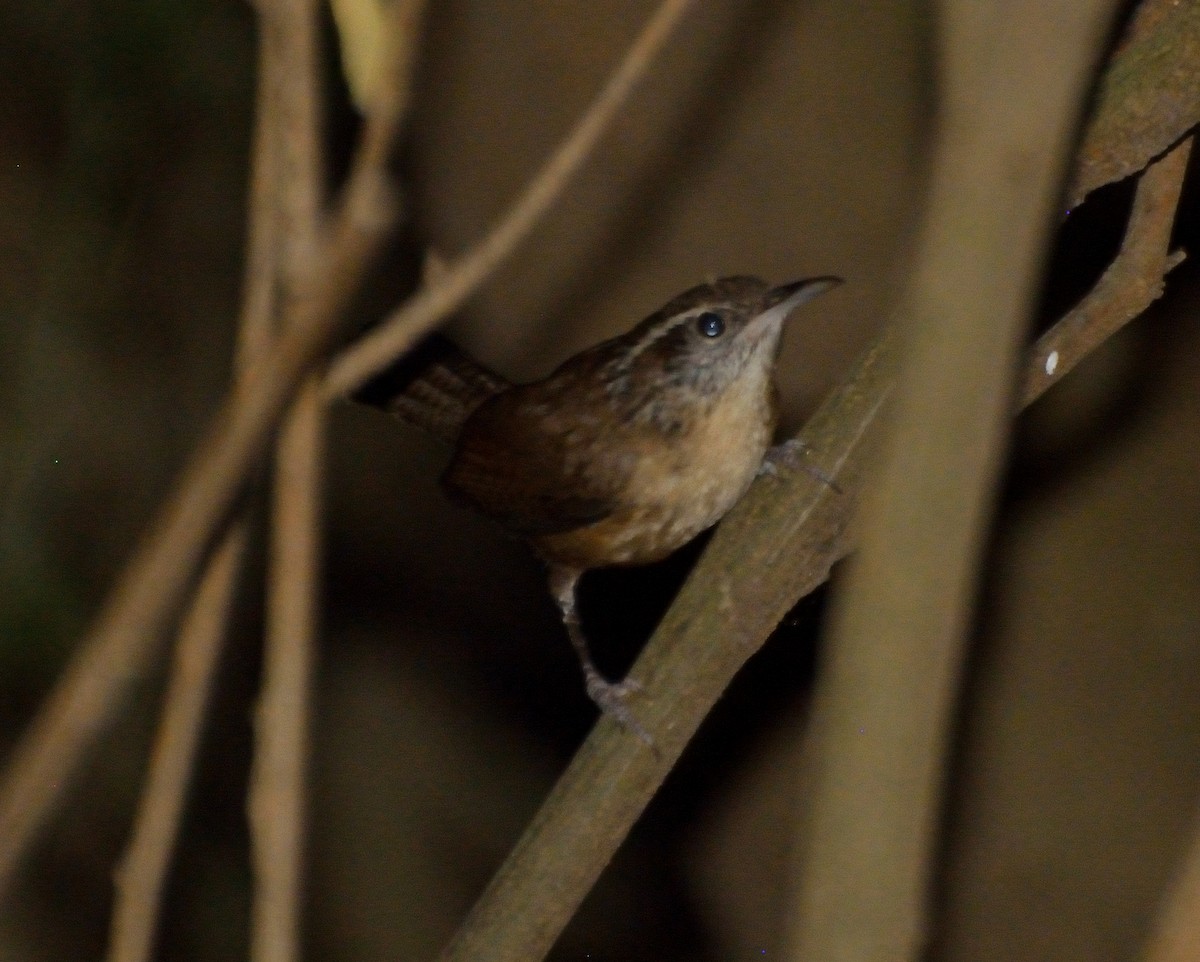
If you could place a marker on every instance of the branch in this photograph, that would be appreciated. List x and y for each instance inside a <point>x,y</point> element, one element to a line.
<point>140,878</point>
<point>143,870</point>
<point>776,546</point>
<point>277,802</point>
<point>1148,98</point>
<point>1132,282</point>
<point>277,799</point>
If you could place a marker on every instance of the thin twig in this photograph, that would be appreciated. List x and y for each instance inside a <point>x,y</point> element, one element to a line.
<point>143,870</point>
<point>776,546</point>
<point>141,875</point>
<point>122,643</point>
<point>261,270</point>
<point>1131,283</point>
<point>463,276</point>
<point>278,796</point>
<point>277,799</point>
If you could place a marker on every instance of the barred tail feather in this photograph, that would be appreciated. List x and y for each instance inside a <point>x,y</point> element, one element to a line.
<point>435,386</point>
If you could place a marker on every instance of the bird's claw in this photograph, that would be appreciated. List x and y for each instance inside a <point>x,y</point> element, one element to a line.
<point>790,455</point>
<point>610,698</point>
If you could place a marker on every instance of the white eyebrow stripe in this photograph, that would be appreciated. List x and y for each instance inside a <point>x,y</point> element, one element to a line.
<point>669,324</point>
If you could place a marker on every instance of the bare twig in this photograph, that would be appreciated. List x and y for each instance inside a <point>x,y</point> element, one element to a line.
<point>143,870</point>
<point>775,547</point>
<point>261,278</point>
<point>277,798</point>
<point>140,878</point>
<point>393,91</point>
<point>1132,282</point>
<point>461,277</point>
<point>278,790</point>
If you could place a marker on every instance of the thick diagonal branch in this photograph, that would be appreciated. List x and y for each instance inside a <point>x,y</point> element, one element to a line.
<point>775,547</point>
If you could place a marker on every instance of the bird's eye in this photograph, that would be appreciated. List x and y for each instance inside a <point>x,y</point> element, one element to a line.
<point>710,324</point>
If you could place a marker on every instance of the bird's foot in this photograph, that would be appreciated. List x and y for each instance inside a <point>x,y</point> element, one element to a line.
<point>791,455</point>
<point>610,697</point>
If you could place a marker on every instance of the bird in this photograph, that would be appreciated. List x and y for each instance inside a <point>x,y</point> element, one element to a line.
<point>622,454</point>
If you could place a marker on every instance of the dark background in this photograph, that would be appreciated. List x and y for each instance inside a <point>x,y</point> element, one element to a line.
<point>780,138</point>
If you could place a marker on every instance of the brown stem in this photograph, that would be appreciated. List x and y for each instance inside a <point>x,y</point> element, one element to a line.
<point>139,879</point>
<point>1147,99</point>
<point>143,870</point>
<point>1132,282</point>
<point>278,782</point>
<point>277,792</point>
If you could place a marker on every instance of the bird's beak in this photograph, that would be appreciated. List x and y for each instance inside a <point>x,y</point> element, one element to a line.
<point>782,300</point>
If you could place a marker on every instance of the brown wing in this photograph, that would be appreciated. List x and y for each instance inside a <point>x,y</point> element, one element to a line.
<point>514,463</point>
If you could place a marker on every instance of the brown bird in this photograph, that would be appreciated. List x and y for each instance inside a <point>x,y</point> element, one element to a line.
<point>625,452</point>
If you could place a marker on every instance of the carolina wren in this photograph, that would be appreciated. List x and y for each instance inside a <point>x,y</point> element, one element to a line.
<point>625,452</point>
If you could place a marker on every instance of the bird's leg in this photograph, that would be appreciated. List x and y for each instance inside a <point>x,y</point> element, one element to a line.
<point>609,696</point>
<point>790,454</point>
